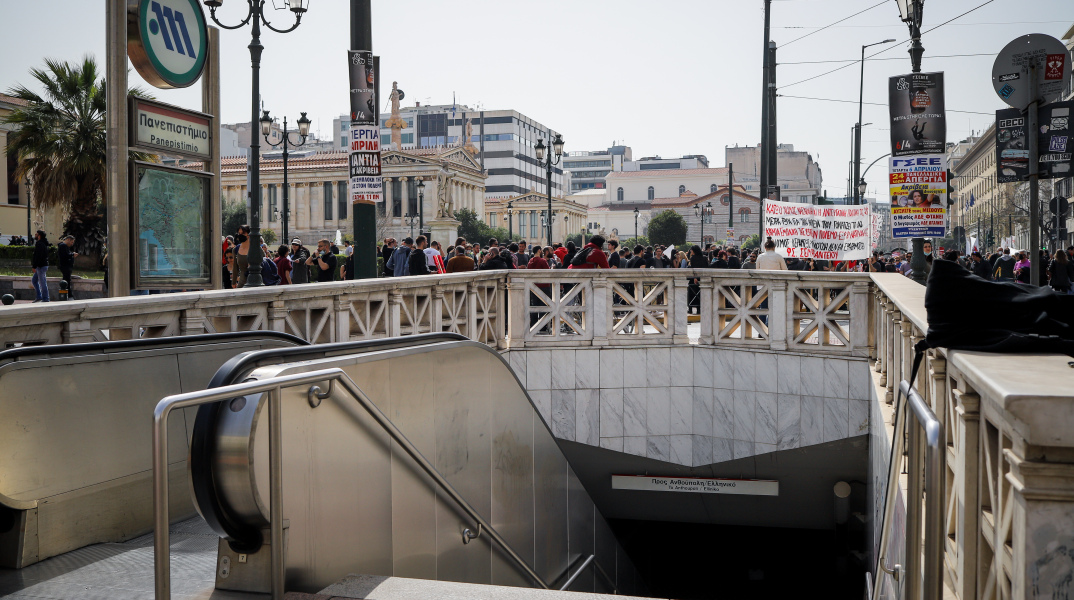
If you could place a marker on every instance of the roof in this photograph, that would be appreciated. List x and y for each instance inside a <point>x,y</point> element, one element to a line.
<point>665,172</point>
<point>13,100</point>
<point>684,201</point>
<point>318,161</point>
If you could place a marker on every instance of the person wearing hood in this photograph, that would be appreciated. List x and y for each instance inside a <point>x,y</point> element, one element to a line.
<point>1004,267</point>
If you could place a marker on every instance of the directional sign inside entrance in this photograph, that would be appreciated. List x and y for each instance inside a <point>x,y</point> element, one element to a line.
<point>1011,71</point>
<point>697,485</point>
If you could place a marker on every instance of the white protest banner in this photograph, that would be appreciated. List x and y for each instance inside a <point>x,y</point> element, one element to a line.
<point>827,232</point>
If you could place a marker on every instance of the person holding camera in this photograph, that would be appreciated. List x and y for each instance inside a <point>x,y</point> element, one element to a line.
<point>325,261</point>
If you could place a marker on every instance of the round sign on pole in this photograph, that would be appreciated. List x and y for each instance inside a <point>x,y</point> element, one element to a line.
<point>167,41</point>
<point>1010,72</point>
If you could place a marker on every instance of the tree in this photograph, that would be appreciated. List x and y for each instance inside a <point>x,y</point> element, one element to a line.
<point>668,228</point>
<point>232,215</point>
<point>475,230</point>
<point>577,238</point>
<point>269,237</point>
<point>754,241</point>
<point>629,243</point>
<point>59,142</point>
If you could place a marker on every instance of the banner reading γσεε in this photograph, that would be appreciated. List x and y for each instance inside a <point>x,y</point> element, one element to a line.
<point>826,232</point>
<point>918,187</point>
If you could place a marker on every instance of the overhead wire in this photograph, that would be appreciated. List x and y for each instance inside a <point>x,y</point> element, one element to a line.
<point>833,24</point>
<point>968,112</point>
<point>840,68</point>
<point>854,60</point>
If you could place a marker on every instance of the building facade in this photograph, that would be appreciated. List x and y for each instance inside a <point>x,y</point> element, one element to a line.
<point>588,169</point>
<point>981,207</point>
<point>504,140</point>
<point>319,202</point>
<point>524,217</point>
<point>645,185</point>
<point>16,194</point>
<point>798,175</point>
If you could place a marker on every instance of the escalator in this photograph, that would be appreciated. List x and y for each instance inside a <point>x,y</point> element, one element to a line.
<point>449,443</point>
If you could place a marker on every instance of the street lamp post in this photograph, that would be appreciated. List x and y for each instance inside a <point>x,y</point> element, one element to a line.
<point>509,217</point>
<point>410,219</point>
<point>303,131</point>
<point>541,150</point>
<point>910,13</point>
<point>699,211</point>
<point>636,213</point>
<point>857,127</point>
<point>256,16</point>
<point>421,206</point>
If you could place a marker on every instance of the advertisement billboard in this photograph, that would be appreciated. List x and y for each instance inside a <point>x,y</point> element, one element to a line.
<point>916,105</point>
<point>918,188</point>
<point>171,244</point>
<point>365,179</point>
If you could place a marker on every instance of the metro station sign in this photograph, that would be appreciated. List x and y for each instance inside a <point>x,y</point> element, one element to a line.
<point>165,129</point>
<point>696,485</point>
<point>167,41</point>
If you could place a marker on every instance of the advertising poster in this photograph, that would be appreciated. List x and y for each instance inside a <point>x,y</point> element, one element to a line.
<point>366,182</point>
<point>171,225</point>
<point>827,232</point>
<point>918,187</point>
<point>1054,147</point>
<point>916,103</point>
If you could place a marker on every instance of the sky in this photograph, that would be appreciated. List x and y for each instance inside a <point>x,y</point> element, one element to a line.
<point>669,78</point>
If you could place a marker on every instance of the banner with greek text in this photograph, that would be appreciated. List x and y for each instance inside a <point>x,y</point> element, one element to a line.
<point>918,186</point>
<point>366,182</point>
<point>825,231</point>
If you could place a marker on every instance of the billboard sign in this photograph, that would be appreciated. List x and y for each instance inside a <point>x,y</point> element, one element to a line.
<point>918,188</point>
<point>916,105</point>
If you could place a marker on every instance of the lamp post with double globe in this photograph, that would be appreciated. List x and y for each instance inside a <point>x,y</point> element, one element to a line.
<point>541,150</point>
<point>256,17</point>
<point>303,131</point>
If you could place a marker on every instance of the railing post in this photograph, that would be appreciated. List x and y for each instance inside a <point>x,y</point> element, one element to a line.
<point>395,310</point>
<point>859,319</point>
<point>914,494</point>
<point>705,311</point>
<point>502,311</point>
<point>472,330</point>
<point>1041,513</point>
<point>965,491</point>
<point>192,322</point>
<point>342,307</point>
<point>894,371</point>
<point>436,310</point>
<point>277,315</point>
<point>678,304</point>
<point>882,315</point>
<point>599,310</point>
<point>779,315</point>
<point>78,331</point>
<point>517,313</point>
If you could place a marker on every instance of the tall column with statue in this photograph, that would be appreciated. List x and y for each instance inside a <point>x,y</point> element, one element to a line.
<point>444,228</point>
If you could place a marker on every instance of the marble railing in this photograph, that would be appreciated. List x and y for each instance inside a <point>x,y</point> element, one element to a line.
<point>468,304</point>
<point>773,310</point>
<point>1008,426</point>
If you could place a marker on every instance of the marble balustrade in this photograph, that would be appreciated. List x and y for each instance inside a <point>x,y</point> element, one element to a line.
<point>1008,424</point>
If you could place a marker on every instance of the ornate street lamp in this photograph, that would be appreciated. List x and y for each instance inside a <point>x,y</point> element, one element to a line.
<point>910,13</point>
<point>701,212</point>
<point>421,206</point>
<point>303,132</point>
<point>255,15</point>
<point>636,213</point>
<point>509,217</point>
<point>410,220</point>
<point>861,191</point>
<point>540,149</point>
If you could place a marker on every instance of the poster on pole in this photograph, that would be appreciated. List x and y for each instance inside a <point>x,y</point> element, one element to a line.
<point>364,135</point>
<point>916,104</point>
<point>1054,147</point>
<point>826,232</point>
<point>918,187</point>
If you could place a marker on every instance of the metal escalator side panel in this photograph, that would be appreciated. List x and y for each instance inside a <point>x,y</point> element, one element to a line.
<point>203,477</point>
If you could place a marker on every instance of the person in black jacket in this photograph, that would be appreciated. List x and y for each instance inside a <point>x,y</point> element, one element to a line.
<point>67,261</point>
<point>39,264</point>
<point>418,262</point>
<point>493,260</point>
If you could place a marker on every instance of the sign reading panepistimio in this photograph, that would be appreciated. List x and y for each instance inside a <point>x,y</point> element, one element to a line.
<point>697,485</point>
<point>166,129</point>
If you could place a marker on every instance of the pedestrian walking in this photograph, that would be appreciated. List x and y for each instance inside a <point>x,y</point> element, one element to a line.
<point>66,254</point>
<point>39,265</point>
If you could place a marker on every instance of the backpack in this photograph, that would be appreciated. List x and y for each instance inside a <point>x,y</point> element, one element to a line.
<point>580,257</point>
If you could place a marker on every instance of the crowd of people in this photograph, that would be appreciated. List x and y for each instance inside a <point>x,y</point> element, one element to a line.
<point>287,265</point>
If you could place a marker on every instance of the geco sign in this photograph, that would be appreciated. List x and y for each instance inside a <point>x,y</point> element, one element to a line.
<point>167,41</point>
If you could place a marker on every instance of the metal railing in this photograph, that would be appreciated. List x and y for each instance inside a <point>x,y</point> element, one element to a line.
<point>922,575</point>
<point>589,560</point>
<point>274,387</point>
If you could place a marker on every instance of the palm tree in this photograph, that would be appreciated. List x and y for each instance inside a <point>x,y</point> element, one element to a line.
<point>59,142</point>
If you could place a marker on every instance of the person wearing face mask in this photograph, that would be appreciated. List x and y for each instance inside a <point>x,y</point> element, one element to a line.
<point>242,261</point>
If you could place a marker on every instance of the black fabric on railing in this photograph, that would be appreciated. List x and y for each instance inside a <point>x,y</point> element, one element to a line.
<point>967,312</point>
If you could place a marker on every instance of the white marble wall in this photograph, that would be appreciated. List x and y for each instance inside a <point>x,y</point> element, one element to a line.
<point>695,405</point>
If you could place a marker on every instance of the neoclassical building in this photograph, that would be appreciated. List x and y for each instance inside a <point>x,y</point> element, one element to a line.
<point>319,202</point>
<point>523,217</point>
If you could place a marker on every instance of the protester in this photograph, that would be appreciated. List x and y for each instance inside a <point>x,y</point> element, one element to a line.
<point>418,261</point>
<point>299,255</point>
<point>324,261</point>
<point>460,263</point>
<point>591,256</point>
<point>284,266</point>
<point>537,261</point>
<point>399,262</point>
<point>269,275</point>
<point>493,260</point>
<point>242,261</point>
<point>613,253</point>
<point>1061,272</point>
<point>770,260</point>
<point>66,255</point>
<point>1004,267</point>
<point>229,265</point>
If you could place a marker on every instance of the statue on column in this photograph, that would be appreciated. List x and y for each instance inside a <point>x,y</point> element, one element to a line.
<point>445,204</point>
<point>395,122</point>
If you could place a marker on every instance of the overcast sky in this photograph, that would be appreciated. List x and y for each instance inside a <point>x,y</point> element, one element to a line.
<point>666,78</point>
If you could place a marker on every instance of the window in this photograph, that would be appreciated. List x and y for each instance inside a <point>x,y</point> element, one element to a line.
<point>272,203</point>
<point>341,188</point>
<point>397,198</point>
<point>712,189</point>
<point>327,201</point>
<point>619,194</point>
<point>412,196</point>
<point>682,189</point>
<point>743,215</point>
<point>533,224</point>
<point>385,139</point>
<point>522,223</point>
<point>407,138</point>
<point>652,193</point>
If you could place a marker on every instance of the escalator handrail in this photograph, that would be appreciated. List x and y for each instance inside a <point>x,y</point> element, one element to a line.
<point>202,477</point>
<point>273,386</point>
<point>589,560</point>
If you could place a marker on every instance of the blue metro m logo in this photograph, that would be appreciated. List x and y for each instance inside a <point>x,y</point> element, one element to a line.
<point>171,20</point>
